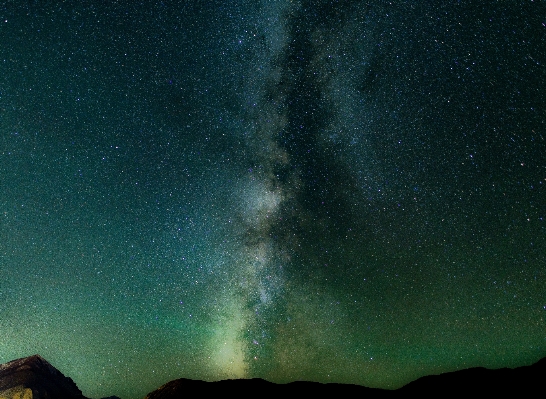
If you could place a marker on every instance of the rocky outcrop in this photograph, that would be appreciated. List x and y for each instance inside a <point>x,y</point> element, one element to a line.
<point>34,378</point>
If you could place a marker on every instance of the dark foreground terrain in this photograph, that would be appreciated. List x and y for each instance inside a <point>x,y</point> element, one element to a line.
<point>35,378</point>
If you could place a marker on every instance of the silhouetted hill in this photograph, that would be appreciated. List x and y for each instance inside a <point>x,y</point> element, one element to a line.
<point>35,378</point>
<point>471,381</point>
<point>179,388</point>
<point>479,380</point>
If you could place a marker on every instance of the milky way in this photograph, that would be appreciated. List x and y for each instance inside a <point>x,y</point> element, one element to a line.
<point>335,191</point>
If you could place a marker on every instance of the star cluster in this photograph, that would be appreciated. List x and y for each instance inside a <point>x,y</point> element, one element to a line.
<point>334,191</point>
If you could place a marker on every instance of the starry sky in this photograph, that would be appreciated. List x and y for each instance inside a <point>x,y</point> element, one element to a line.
<point>333,191</point>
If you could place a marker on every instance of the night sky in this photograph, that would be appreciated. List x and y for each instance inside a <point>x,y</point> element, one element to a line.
<point>334,191</point>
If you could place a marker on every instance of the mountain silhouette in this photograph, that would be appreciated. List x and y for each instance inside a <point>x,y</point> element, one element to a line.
<point>34,377</point>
